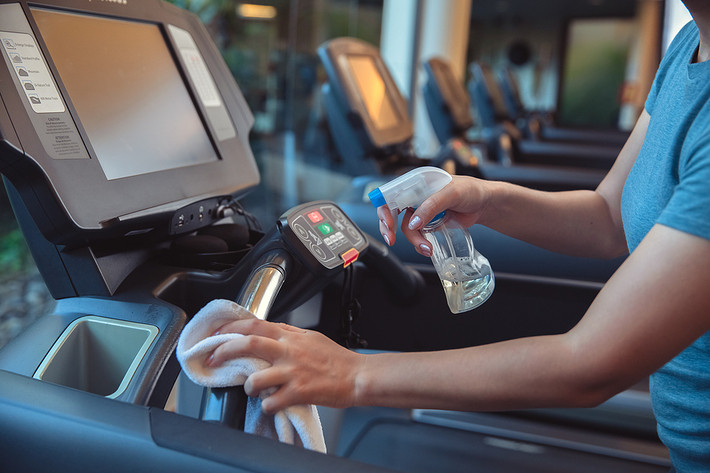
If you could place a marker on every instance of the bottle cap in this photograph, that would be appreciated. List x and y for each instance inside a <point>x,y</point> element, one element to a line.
<point>376,197</point>
<point>436,218</point>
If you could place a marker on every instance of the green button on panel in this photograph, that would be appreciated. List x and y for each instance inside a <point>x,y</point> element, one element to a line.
<point>325,229</point>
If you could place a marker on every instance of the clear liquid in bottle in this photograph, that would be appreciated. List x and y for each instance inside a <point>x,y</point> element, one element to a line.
<point>465,274</point>
<point>465,286</point>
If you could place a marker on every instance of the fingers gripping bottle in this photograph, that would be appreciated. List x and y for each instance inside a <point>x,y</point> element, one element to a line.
<point>465,274</point>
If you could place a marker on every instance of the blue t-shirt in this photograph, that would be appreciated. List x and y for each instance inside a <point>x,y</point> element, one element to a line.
<point>670,185</point>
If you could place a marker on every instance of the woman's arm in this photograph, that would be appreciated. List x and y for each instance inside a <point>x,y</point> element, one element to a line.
<point>653,307</point>
<point>579,223</point>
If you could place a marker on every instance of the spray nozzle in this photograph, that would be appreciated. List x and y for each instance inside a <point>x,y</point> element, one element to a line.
<point>410,189</point>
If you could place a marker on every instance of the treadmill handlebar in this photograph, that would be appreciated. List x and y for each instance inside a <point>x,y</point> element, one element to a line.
<point>406,282</point>
<point>227,406</point>
<point>264,283</point>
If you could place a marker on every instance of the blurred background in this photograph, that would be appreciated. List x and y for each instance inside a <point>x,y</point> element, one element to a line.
<point>587,63</point>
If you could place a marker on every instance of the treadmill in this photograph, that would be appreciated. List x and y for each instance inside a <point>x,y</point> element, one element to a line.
<point>544,127</point>
<point>490,104</point>
<point>124,150</point>
<point>367,116</point>
<point>448,106</point>
<point>123,146</point>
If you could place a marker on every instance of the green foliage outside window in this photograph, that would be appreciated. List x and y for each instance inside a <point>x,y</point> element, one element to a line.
<point>14,254</point>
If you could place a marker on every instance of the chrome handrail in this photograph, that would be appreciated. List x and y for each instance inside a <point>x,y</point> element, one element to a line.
<point>227,406</point>
<point>264,283</point>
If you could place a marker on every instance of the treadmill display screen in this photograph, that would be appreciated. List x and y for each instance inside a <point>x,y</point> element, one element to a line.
<point>372,90</point>
<point>127,92</point>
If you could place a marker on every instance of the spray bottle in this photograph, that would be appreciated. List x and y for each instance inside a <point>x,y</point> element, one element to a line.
<point>465,274</point>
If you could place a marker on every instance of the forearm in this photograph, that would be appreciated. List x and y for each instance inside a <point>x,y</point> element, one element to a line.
<point>578,223</point>
<point>517,374</point>
<point>646,314</point>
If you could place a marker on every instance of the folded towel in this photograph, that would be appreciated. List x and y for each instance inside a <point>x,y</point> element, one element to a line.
<point>296,425</point>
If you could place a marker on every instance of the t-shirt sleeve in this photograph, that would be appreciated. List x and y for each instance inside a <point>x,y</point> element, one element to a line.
<point>689,208</point>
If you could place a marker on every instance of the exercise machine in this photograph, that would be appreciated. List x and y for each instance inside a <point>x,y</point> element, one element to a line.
<point>448,106</point>
<point>541,126</point>
<point>490,104</point>
<point>123,149</point>
<point>367,116</point>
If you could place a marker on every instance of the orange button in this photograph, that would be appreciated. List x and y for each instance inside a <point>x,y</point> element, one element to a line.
<point>349,257</point>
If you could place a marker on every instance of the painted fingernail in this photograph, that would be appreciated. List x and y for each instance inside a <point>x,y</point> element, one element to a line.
<point>385,224</point>
<point>426,251</point>
<point>414,222</point>
<point>387,240</point>
<point>218,331</point>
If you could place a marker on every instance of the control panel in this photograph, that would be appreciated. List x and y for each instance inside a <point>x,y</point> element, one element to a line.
<point>326,233</point>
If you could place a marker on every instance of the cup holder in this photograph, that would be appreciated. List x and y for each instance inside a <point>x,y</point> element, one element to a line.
<point>97,355</point>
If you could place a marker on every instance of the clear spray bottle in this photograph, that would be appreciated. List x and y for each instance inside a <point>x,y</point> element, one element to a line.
<point>465,274</point>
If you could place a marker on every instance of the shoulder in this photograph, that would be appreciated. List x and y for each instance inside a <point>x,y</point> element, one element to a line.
<point>682,46</point>
<point>687,38</point>
<point>679,53</point>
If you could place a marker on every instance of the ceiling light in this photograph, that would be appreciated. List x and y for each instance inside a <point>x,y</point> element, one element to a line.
<point>250,10</point>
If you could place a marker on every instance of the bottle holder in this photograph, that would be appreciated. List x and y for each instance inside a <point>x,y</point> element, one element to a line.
<point>97,355</point>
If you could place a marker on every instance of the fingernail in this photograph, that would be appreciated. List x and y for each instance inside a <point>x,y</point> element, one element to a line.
<point>385,224</point>
<point>425,250</point>
<point>209,360</point>
<point>218,331</point>
<point>387,240</point>
<point>414,222</point>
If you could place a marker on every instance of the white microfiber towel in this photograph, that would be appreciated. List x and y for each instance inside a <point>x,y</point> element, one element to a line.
<point>296,425</point>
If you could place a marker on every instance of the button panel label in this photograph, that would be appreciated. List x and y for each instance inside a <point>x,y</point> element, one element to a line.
<point>26,62</point>
<point>328,235</point>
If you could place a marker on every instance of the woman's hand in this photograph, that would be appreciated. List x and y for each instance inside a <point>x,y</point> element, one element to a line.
<point>307,367</point>
<point>465,198</point>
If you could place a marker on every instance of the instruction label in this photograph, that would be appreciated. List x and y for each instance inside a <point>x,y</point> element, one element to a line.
<point>196,67</point>
<point>201,77</point>
<point>204,84</point>
<point>26,62</point>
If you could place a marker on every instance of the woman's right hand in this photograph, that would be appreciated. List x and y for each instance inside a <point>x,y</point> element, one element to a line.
<point>306,366</point>
<point>465,198</point>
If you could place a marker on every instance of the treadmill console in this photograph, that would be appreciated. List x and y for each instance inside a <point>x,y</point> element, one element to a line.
<point>451,94</point>
<point>364,93</point>
<point>115,116</point>
<point>322,235</point>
